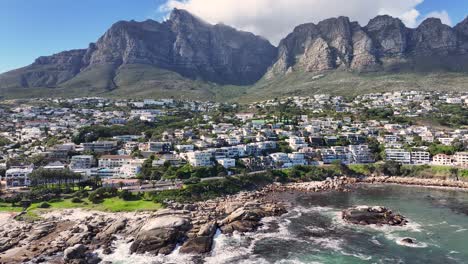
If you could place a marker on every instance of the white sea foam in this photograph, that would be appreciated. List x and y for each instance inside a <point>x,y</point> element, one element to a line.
<point>357,255</point>
<point>375,241</point>
<point>229,248</point>
<point>295,261</point>
<point>328,243</point>
<point>122,255</point>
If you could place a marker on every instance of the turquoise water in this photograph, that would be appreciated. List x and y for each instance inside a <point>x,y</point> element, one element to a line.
<point>313,232</point>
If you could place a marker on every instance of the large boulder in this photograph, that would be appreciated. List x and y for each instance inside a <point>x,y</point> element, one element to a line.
<point>117,226</point>
<point>248,217</point>
<point>160,234</point>
<point>197,245</point>
<point>377,215</point>
<point>77,252</point>
<point>40,231</point>
<point>203,242</point>
<point>240,226</point>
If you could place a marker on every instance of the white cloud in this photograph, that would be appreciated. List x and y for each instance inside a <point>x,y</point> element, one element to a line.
<point>443,15</point>
<point>410,18</point>
<point>274,19</point>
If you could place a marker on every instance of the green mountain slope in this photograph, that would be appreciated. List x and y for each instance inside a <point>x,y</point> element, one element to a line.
<point>350,84</point>
<point>141,81</point>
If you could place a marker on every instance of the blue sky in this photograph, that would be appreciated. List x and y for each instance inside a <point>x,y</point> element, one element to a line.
<point>33,28</point>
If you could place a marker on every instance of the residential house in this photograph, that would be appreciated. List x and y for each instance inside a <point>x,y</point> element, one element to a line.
<point>399,155</point>
<point>18,176</point>
<point>420,157</point>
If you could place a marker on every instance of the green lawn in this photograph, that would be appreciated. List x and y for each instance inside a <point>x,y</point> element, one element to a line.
<point>4,207</point>
<point>108,205</point>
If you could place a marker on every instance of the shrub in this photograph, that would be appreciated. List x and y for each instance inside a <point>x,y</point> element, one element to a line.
<point>95,198</point>
<point>147,196</point>
<point>44,205</point>
<point>76,200</point>
<point>81,194</point>
<point>101,193</point>
<point>54,200</point>
<point>127,196</point>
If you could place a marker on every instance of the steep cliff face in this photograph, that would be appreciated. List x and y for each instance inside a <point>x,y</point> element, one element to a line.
<point>218,53</point>
<point>462,31</point>
<point>184,44</point>
<point>385,42</point>
<point>390,36</point>
<point>433,38</point>
<point>334,43</point>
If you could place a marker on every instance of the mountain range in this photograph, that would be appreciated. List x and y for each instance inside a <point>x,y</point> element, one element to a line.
<point>186,57</point>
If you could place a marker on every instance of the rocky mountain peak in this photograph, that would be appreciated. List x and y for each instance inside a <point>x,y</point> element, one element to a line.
<point>384,22</point>
<point>433,37</point>
<point>183,17</point>
<point>462,27</point>
<point>389,34</point>
<point>431,22</point>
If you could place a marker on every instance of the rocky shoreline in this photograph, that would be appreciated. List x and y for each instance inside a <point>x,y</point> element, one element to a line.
<point>75,235</point>
<point>416,182</point>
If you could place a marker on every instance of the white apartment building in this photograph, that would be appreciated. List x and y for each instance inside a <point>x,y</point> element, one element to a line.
<point>131,169</point>
<point>281,159</point>
<point>360,154</point>
<point>82,162</point>
<point>420,157</point>
<point>297,142</point>
<point>184,148</point>
<point>114,161</point>
<point>399,155</point>
<point>297,158</point>
<point>200,158</point>
<point>100,146</point>
<point>390,138</point>
<point>446,141</point>
<point>338,153</point>
<point>18,177</point>
<point>227,163</point>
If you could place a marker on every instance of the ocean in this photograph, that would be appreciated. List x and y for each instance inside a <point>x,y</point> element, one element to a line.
<point>313,232</point>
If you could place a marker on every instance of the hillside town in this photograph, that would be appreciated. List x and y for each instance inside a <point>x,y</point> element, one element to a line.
<point>120,139</point>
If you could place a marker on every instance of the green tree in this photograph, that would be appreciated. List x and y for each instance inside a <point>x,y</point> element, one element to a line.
<point>454,172</point>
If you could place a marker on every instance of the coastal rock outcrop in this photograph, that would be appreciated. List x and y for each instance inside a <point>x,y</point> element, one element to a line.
<point>161,233</point>
<point>203,242</point>
<point>377,215</point>
<point>75,252</point>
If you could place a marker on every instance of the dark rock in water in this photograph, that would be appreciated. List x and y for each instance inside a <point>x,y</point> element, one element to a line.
<point>377,215</point>
<point>197,245</point>
<point>408,240</point>
<point>203,242</point>
<point>247,219</point>
<point>240,226</point>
